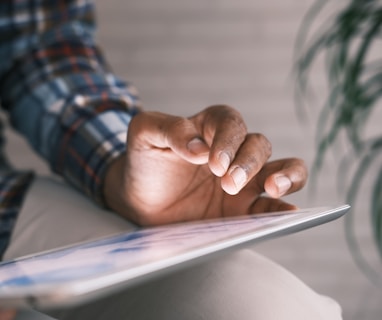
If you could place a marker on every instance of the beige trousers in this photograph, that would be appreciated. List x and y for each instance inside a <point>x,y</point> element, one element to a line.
<point>239,285</point>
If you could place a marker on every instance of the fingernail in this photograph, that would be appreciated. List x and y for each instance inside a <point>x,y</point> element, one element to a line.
<point>197,146</point>
<point>239,177</point>
<point>224,161</point>
<point>283,184</point>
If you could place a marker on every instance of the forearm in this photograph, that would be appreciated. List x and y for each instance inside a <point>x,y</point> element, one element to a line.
<point>63,98</point>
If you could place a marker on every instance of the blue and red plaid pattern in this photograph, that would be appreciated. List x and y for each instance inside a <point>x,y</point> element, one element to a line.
<point>60,93</point>
<point>12,191</point>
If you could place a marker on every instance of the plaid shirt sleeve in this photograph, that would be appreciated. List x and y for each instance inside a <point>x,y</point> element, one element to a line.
<point>59,91</point>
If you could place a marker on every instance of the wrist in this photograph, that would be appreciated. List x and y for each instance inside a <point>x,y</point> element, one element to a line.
<point>113,186</point>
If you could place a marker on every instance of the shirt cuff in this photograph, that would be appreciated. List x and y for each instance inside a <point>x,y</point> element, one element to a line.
<point>87,154</point>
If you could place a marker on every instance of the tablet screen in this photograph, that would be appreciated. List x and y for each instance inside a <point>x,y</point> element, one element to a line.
<point>126,251</point>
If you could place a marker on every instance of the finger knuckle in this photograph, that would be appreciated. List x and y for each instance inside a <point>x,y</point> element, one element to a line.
<point>179,125</point>
<point>253,163</point>
<point>138,122</point>
<point>221,108</point>
<point>263,143</point>
<point>300,166</point>
<point>229,116</point>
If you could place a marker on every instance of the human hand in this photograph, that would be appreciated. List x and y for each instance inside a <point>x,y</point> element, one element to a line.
<point>180,169</point>
<point>7,314</point>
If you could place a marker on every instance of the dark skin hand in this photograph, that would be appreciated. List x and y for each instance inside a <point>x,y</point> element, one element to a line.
<point>205,166</point>
<point>6,314</point>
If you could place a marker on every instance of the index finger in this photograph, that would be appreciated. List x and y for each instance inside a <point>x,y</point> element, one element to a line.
<point>224,130</point>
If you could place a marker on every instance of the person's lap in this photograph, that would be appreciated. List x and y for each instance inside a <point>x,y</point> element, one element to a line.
<point>239,285</point>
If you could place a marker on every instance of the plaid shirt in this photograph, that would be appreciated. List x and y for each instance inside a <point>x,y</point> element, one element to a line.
<point>60,94</point>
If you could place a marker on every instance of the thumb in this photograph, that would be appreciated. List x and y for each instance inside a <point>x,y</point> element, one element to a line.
<point>162,131</point>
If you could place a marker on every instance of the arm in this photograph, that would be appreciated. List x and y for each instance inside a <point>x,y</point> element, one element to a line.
<point>59,92</point>
<point>76,113</point>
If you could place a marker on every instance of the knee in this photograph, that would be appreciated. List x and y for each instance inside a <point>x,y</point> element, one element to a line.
<point>240,285</point>
<point>245,285</point>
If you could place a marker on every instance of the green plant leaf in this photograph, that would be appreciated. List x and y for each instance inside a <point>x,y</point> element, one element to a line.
<point>355,91</point>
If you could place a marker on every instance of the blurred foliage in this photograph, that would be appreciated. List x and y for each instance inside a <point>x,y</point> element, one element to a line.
<point>345,40</point>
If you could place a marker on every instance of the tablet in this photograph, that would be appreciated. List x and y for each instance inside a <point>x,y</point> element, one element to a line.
<point>80,273</point>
